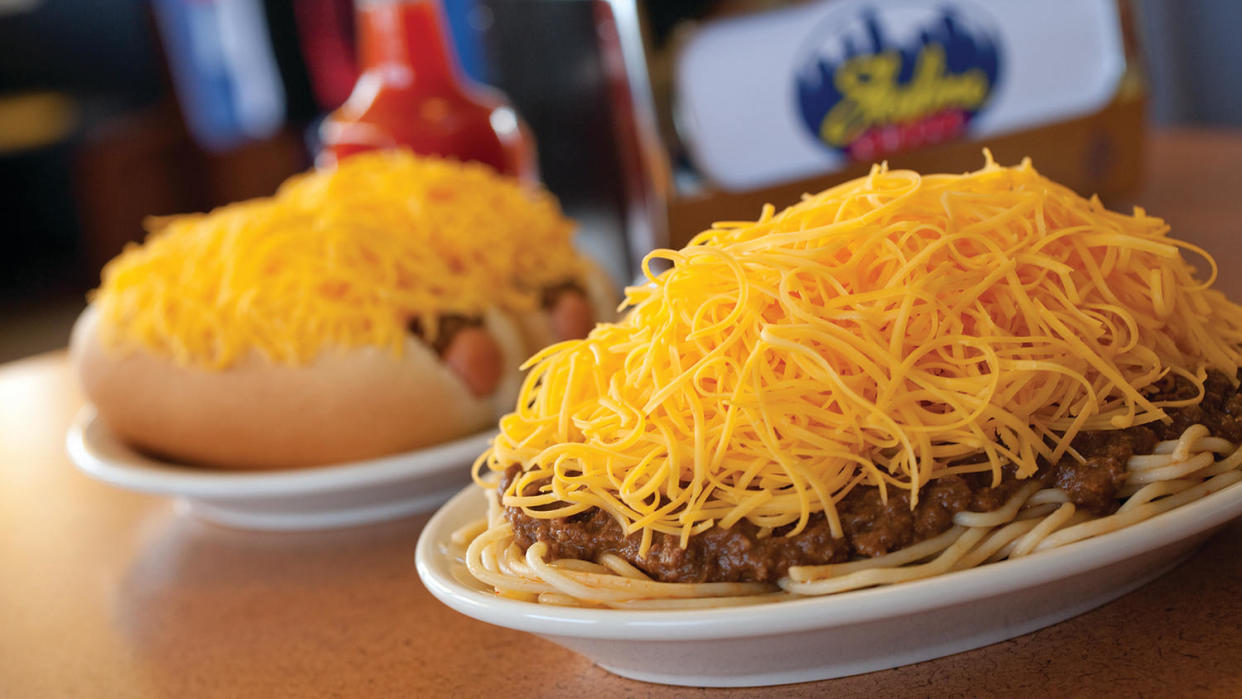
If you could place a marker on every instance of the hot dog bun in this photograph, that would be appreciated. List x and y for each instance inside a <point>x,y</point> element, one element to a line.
<point>345,405</point>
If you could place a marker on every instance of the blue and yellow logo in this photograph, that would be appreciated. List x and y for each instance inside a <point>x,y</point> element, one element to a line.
<point>866,95</point>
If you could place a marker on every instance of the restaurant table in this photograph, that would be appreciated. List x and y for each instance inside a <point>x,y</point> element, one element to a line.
<point>108,593</point>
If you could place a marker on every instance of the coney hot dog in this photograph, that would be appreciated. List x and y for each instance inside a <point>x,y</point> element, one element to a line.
<point>379,307</point>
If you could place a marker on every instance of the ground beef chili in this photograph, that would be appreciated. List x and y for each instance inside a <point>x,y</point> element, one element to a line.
<point>551,294</point>
<point>871,526</point>
<point>448,327</point>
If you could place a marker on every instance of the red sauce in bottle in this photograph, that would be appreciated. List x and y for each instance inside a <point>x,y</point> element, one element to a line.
<point>410,94</point>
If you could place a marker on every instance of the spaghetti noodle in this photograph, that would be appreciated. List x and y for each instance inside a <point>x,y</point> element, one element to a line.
<point>892,333</point>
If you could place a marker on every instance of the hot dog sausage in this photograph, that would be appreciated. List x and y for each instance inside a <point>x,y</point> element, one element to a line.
<point>571,315</point>
<point>475,356</point>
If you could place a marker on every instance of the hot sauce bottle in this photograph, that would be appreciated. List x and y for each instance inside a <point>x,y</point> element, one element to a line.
<point>410,93</point>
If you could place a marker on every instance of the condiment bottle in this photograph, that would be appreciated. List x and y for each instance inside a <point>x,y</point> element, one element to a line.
<point>410,93</point>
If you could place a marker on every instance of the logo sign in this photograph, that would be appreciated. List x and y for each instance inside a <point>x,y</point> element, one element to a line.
<point>896,79</point>
<point>802,90</point>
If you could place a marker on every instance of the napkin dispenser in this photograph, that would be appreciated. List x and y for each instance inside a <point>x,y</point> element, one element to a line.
<point>716,107</point>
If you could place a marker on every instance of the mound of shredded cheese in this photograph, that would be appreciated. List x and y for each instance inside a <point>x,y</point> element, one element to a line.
<point>887,331</point>
<point>344,257</point>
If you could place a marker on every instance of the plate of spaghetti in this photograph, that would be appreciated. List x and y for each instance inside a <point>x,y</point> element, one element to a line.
<point>907,416</point>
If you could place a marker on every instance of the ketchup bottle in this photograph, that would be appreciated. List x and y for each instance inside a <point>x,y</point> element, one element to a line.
<point>411,94</point>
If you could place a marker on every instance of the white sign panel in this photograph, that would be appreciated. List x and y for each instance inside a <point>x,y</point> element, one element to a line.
<point>791,93</point>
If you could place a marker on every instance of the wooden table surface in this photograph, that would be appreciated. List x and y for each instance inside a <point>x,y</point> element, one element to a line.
<point>107,593</point>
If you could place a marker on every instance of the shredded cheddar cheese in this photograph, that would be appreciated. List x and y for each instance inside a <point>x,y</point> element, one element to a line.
<point>885,332</point>
<point>344,257</point>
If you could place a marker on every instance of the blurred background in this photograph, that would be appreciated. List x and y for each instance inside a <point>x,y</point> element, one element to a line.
<point>650,118</point>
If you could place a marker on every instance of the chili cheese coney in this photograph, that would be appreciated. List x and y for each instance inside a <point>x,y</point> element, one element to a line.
<point>366,310</point>
<point>898,377</point>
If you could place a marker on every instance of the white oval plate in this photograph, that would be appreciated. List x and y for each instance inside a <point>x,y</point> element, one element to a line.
<point>837,635</point>
<point>339,495</point>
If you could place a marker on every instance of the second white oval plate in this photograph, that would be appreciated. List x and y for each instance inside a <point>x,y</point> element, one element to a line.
<point>340,495</point>
<point>837,635</point>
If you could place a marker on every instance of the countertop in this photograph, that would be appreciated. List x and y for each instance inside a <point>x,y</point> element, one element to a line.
<point>107,593</point>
